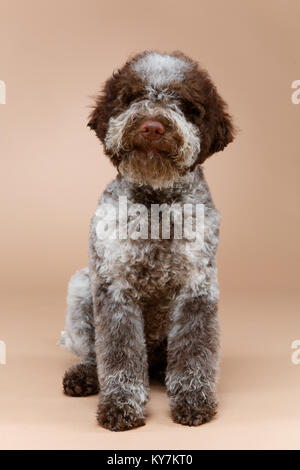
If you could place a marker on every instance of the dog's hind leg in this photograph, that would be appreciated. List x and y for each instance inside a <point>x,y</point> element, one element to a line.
<point>79,338</point>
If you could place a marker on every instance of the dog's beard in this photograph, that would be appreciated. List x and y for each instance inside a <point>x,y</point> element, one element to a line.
<point>154,169</point>
<point>160,163</point>
<point>155,163</point>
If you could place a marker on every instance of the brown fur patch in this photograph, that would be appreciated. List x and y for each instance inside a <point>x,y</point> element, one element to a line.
<point>183,413</point>
<point>155,170</point>
<point>81,380</point>
<point>116,417</point>
<point>204,107</point>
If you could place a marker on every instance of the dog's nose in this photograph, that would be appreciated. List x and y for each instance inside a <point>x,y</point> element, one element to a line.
<point>152,130</point>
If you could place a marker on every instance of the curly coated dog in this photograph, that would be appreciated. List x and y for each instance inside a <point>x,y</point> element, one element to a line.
<point>147,305</point>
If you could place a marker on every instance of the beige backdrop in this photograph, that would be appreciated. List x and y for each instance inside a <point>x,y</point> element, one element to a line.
<point>53,56</point>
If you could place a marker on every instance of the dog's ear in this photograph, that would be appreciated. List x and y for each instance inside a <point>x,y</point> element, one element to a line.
<point>105,103</point>
<point>222,129</point>
<point>213,120</point>
<point>99,117</point>
<point>93,119</point>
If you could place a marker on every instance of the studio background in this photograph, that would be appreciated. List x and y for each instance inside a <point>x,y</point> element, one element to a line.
<point>54,56</point>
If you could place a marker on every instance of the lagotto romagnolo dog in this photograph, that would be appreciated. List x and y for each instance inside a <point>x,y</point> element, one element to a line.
<point>147,306</point>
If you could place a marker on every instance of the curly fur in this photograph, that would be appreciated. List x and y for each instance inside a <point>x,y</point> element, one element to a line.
<point>149,305</point>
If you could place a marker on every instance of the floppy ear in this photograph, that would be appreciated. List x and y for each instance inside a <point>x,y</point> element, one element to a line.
<point>104,104</point>
<point>223,130</point>
<point>99,117</point>
<point>215,123</point>
<point>93,119</point>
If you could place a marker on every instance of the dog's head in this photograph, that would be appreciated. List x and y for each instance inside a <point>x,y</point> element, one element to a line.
<point>159,116</point>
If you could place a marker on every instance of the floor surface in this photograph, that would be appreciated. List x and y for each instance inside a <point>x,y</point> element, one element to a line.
<point>259,387</point>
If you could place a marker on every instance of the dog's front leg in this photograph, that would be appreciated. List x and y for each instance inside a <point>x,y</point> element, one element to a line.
<point>121,360</point>
<point>193,360</point>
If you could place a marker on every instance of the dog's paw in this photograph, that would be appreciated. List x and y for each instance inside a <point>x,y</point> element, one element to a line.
<point>189,415</point>
<point>119,417</point>
<point>81,380</point>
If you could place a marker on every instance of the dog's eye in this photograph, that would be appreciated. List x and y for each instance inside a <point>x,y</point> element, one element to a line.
<point>194,112</point>
<point>127,97</point>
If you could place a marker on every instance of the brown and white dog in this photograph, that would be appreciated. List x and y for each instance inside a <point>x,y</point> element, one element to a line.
<point>147,305</point>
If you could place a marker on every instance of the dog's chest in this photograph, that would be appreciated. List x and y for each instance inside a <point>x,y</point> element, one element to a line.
<point>147,269</point>
<point>152,273</point>
<point>138,256</point>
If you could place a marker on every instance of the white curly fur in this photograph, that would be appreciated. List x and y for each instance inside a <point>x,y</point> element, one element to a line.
<point>160,70</point>
<point>114,140</point>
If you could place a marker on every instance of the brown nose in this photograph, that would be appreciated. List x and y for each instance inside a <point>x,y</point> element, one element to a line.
<point>152,130</point>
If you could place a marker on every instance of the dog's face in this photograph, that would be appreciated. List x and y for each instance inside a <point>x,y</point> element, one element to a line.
<point>158,117</point>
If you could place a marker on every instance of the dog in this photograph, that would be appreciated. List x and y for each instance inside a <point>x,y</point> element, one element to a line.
<point>147,306</point>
